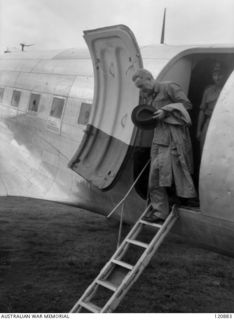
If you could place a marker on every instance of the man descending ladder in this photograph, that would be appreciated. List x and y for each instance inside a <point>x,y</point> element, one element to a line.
<point>125,266</point>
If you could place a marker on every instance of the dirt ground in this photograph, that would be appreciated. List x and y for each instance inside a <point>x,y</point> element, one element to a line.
<point>49,254</point>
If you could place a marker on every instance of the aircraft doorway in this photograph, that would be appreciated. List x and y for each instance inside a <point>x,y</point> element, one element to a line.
<point>200,78</point>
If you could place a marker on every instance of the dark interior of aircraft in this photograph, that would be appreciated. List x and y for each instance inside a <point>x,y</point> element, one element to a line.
<point>201,77</point>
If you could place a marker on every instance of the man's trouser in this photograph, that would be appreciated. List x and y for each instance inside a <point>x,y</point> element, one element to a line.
<point>158,195</point>
<point>159,202</point>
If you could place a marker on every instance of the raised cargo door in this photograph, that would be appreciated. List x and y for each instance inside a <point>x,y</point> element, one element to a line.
<point>217,165</point>
<point>110,131</point>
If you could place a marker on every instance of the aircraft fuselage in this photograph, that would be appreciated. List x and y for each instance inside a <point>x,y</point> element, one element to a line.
<point>58,114</point>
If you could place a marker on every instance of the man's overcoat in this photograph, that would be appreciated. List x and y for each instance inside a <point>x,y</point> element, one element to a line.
<point>171,151</point>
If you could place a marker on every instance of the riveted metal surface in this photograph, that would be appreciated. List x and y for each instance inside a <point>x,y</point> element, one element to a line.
<point>217,165</point>
<point>8,78</point>
<point>18,64</point>
<point>115,56</point>
<point>48,83</point>
<point>82,67</point>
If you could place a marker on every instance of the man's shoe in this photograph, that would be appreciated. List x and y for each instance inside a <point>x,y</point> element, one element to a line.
<point>154,219</point>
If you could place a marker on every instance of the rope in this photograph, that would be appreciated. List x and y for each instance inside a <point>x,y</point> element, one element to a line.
<point>130,189</point>
<point>120,226</point>
<point>122,202</point>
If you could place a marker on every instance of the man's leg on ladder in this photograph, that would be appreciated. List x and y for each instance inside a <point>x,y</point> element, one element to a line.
<point>159,203</point>
<point>158,198</point>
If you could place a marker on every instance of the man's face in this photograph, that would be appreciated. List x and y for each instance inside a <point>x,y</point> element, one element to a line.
<point>145,85</point>
<point>218,78</point>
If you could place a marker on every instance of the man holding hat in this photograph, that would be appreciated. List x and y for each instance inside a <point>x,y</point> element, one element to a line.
<point>171,150</point>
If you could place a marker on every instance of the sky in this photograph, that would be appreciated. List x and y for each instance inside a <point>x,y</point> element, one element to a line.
<point>59,24</point>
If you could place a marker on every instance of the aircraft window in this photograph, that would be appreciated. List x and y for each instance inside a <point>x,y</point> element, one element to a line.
<point>15,98</point>
<point>84,113</point>
<point>34,102</point>
<point>1,94</point>
<point>57,108</point>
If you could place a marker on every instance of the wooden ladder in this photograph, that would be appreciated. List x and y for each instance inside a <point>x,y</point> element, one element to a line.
<point>118,275</point>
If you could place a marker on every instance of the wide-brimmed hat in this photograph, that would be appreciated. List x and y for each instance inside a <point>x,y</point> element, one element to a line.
<point>142,117</point>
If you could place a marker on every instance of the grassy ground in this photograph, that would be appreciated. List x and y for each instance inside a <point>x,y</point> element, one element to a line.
<point>49,254</point>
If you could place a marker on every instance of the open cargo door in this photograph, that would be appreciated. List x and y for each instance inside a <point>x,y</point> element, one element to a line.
<point>110,132</point>
<point>217,165</point>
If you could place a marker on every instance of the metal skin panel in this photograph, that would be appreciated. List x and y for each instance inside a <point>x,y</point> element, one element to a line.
<point>82,88</point>
<point>18,64</point>
<point>217,165</point>
<point>27,55</point>
<point>33,159</point>
<point>83,66</point>
<point>48,83</point>
<point>8,78</point>
<point>115,55</point>
<point>180,73</point>
<point>67,54</point>
<point>24,101</point>
<point>71,112</point>
<point>209,232</point>
<point>65,67</point>
<point>168,52</point>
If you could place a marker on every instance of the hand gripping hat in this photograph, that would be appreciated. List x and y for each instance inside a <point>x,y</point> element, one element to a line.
<point>142,117</point>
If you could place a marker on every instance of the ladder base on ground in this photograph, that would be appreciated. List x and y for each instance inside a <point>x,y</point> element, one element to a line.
<point>125,266</point>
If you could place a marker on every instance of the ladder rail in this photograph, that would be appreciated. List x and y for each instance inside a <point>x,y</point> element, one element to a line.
<point>166,226</point>
<point>92,284</point>
<point>115,256</point>
<point>143,261</point>
<point>134,272</point>
<point>131,232</point>
<point>122,248</point>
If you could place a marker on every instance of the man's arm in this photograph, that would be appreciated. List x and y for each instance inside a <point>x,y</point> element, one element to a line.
<point>201,116</point>
<point>177,95</point>
<point>200,122</point>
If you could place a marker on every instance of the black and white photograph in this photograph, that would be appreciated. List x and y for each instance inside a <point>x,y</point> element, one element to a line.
<point>117,158</point>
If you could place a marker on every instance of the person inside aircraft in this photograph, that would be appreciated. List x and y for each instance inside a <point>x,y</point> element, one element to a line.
<point>209,99</point>
<point>171,150</point>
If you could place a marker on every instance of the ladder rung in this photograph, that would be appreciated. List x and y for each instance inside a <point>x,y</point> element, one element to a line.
<point>131,272</point>
<point>107,284</point>
<point>138,243</point>
<point>123,264</point>
<point>157,225</point>
<point>90,306</point>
